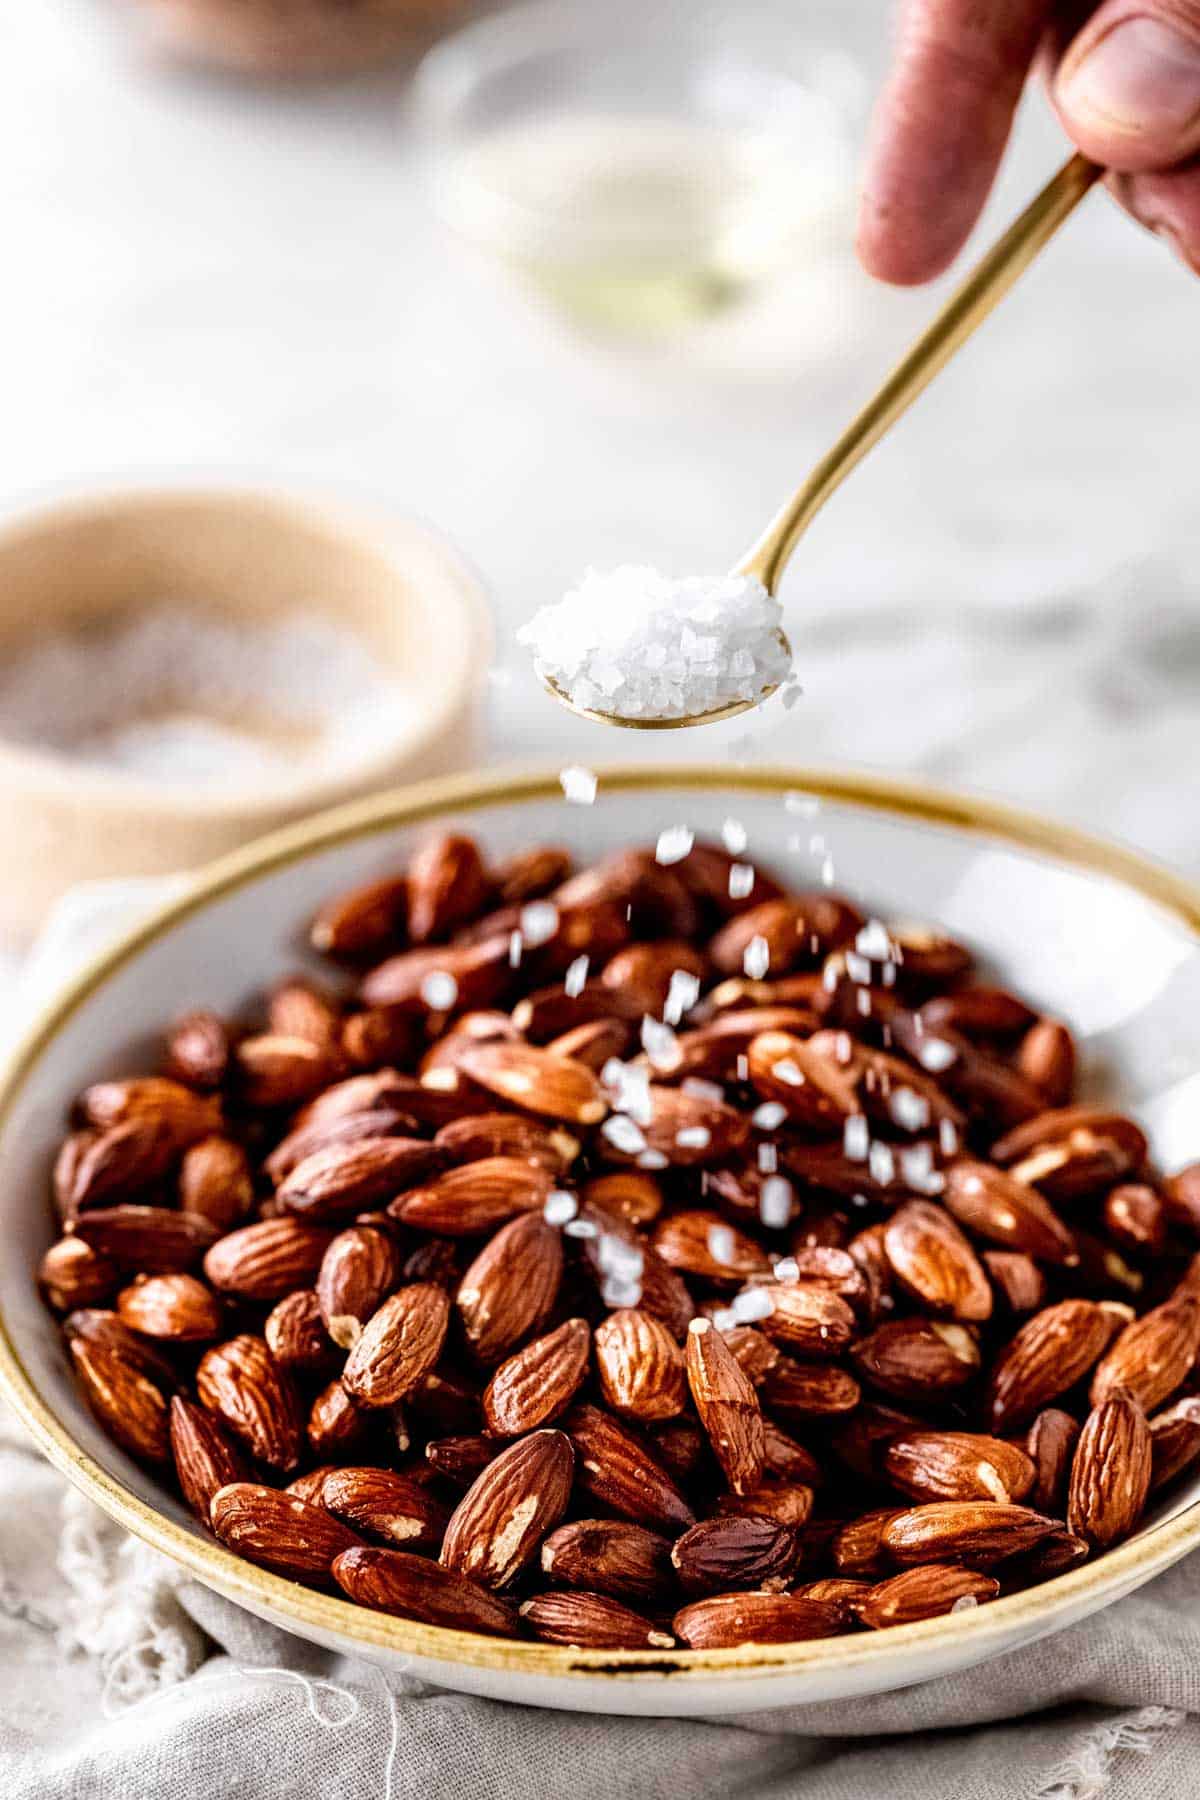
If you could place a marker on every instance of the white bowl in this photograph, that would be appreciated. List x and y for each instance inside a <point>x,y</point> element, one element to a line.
<point>1090,932</point>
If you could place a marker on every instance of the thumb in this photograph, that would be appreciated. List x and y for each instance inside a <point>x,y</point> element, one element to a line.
<point>1128,88</point>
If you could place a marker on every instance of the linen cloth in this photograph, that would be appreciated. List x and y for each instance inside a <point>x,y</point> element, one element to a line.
<point>119,1680</point>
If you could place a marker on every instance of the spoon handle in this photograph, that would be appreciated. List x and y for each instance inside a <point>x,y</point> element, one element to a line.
<point>965,310</point>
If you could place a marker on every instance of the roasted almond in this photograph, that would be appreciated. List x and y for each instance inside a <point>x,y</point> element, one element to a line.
<point>363,920</point>
<point>645,971</point>
<point>175,1307</point>
<point>538,1381</point>
<point>205,1456</point>
<point>932,1259</point>
<point>703,1244</point>
<point>531,873</point>
<point>640,1365</point>
<point>324,1132</point>
<point>727,1405</point>
<point>613,1557</point>
<point>413,1587</point>
<point>520,1496</point>
<point>809,1320</point>
<point>215,1182</point>
<point>243,1385</point>
<point>1152,1357</point>
<point>197,1050</point>
<point>1008,1212</point>
<point>336,1429</point>
<point>72,1274</point>
<point>296,1334</point>
<point>918,1359</point>
<point>477,1197</point>
<point>385,1505</point>
<point>117,1164</point>
<point>127,1403</point>
<point>788,1503</point>
<point>591,1622</point>
<point>536,1081</point>
<point>1050,1353</point>
<point>150,1239</point>
<point>625,1194</point>
<point>1046,1057</point>
<point>268,1259</point>
<point>976,1532</point>
<point>359,1269</point>
<point>346,1178</point>
<point>797,932</point>
<point>810,1390</point>
<point>815,1091</point>
<point>279,1531</point>
<point>509,1289</point>
<point>924,1593</point>
<point>273,1070</point>
<point>1110,1473</point>
<point>717,1555</point>
<point>1174,1442</point>
<point>858,1547</point>
<point>447,886</point>
<point>182,1115</point>
<point>957,1465</point>
<point>690,1130</point>
<point>447,979</point>
<point>1050,1442</point>
<point>616,1468</point>
<point>723,1620</point>
<point>481,1136</point>
<point>1135,1217</point>
<point>1016,1279</point>
<point>398,1346</point>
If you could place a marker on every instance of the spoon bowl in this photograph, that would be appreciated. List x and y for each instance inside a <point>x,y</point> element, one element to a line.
<point>712,717</point>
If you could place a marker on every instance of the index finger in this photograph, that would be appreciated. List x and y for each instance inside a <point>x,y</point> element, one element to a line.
<point>940,129</point>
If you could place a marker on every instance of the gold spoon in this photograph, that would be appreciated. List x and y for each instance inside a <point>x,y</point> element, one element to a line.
<point>962,314</point>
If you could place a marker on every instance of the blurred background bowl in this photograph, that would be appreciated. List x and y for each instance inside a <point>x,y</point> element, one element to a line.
<point>254,559</point>
<point>294,38</point>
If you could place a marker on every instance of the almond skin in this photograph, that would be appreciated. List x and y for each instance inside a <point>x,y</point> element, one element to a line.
<point>342,1179</point>
<point>243,1385</point>
<point>810,1390</point>
<point>151,1240</point>
<point>279,1531</point>
<point>727,1405</point>
<point>1174,1442</point>
<point>206,1458</point>
<point>723,1620</point>
<point>617,1469</point>
<point>296,1335</point>
<point>924,1593</point>
<point>933,1260</point>
<point>413,1587</point>
<point>536,1081</point>
<point>336,1428</point>
<point>363,920</point>
<point>175,1307</point>
<point>267,1260</point>
<point>858,1548</point>
<point>720,1554</point>
<point>117,1164</point>
<point>1152,1357</point>
<point>704,1244</point>
<point>538,1382</point>
<point>640,1366</point>
<point>498,1524</point>
<point>1110,1474</point>
<point>958,1465</point>
<point>461,1459</point>
<point>386,1506</point>
<point>197,1050</point>
<point>215,1182</point>
<point>475,1198</point>
<point>508,1291</point>
<point>182,1115</point>
<point>481,1136</point>
<point>398,1346</point>
<point>591,1622</point>
<point>127,1403</point>
<point>1007,1212</point>
<point>273,1070</point>
<point>788,1503</point>
<point>72,1274</point>
<point>613,1557</point>
<point>336,1127</point>
<point>359,1269</point>
<point>1050,1353</point>
<point>447,886</point>
<point>976,1532</point>
<point>1050,1443</point>
<point>918,1359</point>
<point>807,1319</point>
<point>817,1093</point>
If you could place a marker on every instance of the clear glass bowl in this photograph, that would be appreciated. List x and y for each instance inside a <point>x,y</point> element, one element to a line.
<point>644,165</point>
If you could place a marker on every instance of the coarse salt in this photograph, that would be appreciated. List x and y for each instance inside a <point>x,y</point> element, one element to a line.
<point>575,979</point>
<point>439,991</point>
<point>682,995</point>
<point>741,880</point>
<point>775,1202</point>
<point>538,922</point>
<point>734,836</point>
<point>673,845</point>
<point>756,958</point>
<point>769,1116</point>
<point>579,785</point>
<point>642,645</point>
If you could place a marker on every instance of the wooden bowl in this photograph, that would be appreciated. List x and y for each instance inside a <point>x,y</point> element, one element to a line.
<point>254,556</point>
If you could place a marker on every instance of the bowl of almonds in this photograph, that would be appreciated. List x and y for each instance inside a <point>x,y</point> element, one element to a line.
<point>656,1242</point>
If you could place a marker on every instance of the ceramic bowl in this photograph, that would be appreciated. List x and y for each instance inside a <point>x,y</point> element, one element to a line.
<point>253,556</point>
<point>1089,932</point>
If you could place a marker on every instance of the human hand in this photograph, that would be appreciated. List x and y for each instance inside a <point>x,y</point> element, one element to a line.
<point>1124,76</point>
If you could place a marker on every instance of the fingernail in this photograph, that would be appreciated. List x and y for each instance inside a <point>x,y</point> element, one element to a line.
<point>1141,76</point>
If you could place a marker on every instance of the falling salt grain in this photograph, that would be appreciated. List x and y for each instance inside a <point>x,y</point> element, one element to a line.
<point>768,1159</point>
<point>693,1137</point>
<point>560,1207</point>
<point>750,1306</point>
<point>882,1164</point>
<point>965,1603</point>
<point>741,880</point>
<point>579,1228</point>
<point>948,1137</point>
<point>515,946</point>
<point>775,1202</point>
<point>575,979</point>
<point>734,837</point>
<point>873,941</point>
<point>742,1067</point>
<point>623,1134</point>
<point>828,873</point>
<point>785,1070</point>
<point>909,1110</point>
<point>673,845</point>
<point>769,1116</point>
<point>682,995</point>
<point>652,1160</point>
<point>756,959</point>
<point>786,1269</point>
<point>721,1244</point>
<point>538,922</point>
<point>661,1045</point>
<point>579,785</point>
<point>699,1089</point>
<point>439,991</point>
<point>935,1054</point>
<point>629,1088</point>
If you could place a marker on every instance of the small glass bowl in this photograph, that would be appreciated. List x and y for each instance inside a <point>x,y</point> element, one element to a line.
<point>643,166</point>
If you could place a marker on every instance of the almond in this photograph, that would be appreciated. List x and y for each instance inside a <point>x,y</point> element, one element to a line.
<point>798,931</point>
<point>72,1274</point>
<point>398,1346</point>
<point>723,1620</point>
<point>924,1593</point>
<point>933,1260</point>
<point>509,1289</point>
<point>594,1043</point>
<point>341,1128</point>
<point>153,1101</point>
<point>267,1260</point>
<point>613,1557</point>
<point>808,1320</point>
<point>719,1554</point>
<point>175,1307</point>
<point>976,1532</point>
<point>335,1428</point>
<point>1135,1217</point>
<point>728,1406</point>
<point>703,1244</point>
<point>359,1269</point>
<point>1050,1442</point>
<point>205,1456</point>
<point>1046,1057</point>
<point>346,1178</point>
<point>858,1548</point>
<point>197,1051</point>
<point>363,920</point>
<point>786,1460</point>
<point>1174,1442</point>
<point>591,1622</point>
<point>539,1381</point>
<point>215,1182</point>
<point>756,1355</point>
<point>1007,1212</point>
<point>957,1465</point>
<point>273,1070</point>
<point>1152,1357</point>
<point>482,1136</point>
<point>550,1012</point>
<point>279,1531</point>
<point>296,1334</point>
<point>481,974</point>
<point>1016,1279</point>
<point>299,1008</point>
<point>788,1503</point>
<point>536,1081</point>
<point>412,1587</point>
<point>447,886</point>
<point>918,1359</point>
<point>150,1239</point>
<point>810,1390</point>
<point>127,1403</point>
<point>1072,1149</point>
<point>1110,1474</point>
<point>498,1524</point>
<point>690,1130</point>
<point>531,873</point>
<point>476,1197</point>
<point>616,1468</point>
<point>816,1092</point>
<point>241,1382</point>
<point>712,1051</point>
<point>640,1365</point>
<point>626,1194</point>
<point>645,971</point>
<point>461,1459</point>
<point>1050,1353</point>
<point>117,1164</point>
<point>385,1505</point>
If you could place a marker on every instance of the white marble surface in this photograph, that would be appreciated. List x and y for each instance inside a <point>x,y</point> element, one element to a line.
<point>204,277</point>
